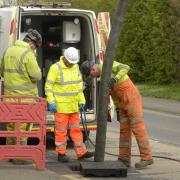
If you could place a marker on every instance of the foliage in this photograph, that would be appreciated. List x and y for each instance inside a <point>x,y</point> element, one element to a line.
<point>160,91</point>
<point>149,41</point>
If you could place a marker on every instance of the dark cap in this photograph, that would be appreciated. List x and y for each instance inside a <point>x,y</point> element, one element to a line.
<point>86,66</point>
<point>34,36</point>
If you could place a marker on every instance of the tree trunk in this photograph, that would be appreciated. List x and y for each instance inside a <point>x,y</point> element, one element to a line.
<point>117,24</point>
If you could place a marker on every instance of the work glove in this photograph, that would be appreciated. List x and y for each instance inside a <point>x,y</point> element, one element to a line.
<point>52,107</point>
<point>112,82</point>
<point>82,107</point>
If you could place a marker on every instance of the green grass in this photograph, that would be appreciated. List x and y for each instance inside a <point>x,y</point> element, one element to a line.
<point>160,91</point>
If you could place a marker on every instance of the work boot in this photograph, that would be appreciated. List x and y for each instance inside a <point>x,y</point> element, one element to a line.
<point>143,163</point>
<point>125,162</point>
<point>86,155</point>
<point>63,158</point>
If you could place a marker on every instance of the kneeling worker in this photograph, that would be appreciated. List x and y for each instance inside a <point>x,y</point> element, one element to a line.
<point>127,98</point>
<point>65,96</point>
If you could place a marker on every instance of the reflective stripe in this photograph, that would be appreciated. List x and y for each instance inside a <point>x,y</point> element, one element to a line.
<point>19,87</point>
<point>22,59</point>
<point>67,94</point>
<point>11,58</point>
<point>78,143</point>
<point>67,83</point>
<point>136,119</point>
<point>123,120</point>
<point>61,144</point>
<point>49,82</point>
<point>73,126</point>
<point>143,144</point>
<point>19,70</point>
<point>61,73</point>
<point>62,78</point>
<point>58,119</point>
<point>124,144</point>
<point>61,128</point>
<point>49,91</point>
<point>14,71</point>
<point>79,148</point>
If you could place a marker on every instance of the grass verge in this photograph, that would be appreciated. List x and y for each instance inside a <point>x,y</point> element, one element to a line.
<point>171,91</point>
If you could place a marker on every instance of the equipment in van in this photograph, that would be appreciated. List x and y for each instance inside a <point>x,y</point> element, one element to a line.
<point>71,31</point>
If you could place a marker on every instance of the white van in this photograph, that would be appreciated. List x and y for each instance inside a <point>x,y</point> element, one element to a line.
<point>60,28</point>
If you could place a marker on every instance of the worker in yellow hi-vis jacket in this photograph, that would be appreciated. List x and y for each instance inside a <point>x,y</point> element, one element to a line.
<point>21,72</point>
<point>65,96</point>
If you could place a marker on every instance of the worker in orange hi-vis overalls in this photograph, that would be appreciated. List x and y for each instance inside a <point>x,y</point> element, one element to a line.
<point>65,97</point>
<point>128,100</point>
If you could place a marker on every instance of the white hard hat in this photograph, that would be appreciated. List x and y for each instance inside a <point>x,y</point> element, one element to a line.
<point>72,55</point>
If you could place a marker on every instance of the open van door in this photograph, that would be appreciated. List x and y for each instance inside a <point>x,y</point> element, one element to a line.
<point>9,22</point>
<point>9,19</point>
<point>104,27</point>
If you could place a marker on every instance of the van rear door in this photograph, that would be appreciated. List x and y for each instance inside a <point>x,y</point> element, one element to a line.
<point>104,27</point>
<point>9,22</point>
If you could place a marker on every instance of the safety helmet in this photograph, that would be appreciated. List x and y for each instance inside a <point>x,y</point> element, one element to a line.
<point>34,36</point>
<point>71,54</point>
<point>86,67</point>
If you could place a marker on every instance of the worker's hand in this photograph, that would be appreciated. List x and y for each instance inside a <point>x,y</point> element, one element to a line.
<point>112,82</point>
<point>82,107</point>
<point>52,107</point>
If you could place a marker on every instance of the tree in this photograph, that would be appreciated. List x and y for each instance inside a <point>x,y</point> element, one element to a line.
<point>149,41</point>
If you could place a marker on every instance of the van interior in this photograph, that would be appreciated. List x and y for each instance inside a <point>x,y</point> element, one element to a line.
<point>58,33</point>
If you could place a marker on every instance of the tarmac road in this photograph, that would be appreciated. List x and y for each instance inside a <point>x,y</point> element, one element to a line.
<point>163,127</point>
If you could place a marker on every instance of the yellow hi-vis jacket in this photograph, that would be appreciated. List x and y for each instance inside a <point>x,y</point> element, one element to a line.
<point>64,86</point>
<point>119,71</point>
<point>20,70</point>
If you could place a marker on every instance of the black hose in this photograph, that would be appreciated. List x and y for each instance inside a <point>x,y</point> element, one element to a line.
<point>154,156</point>
<point>84,123</point>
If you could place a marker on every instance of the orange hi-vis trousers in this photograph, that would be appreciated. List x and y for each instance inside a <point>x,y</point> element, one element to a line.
<point>131,121</point>
<point>64,122</point>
